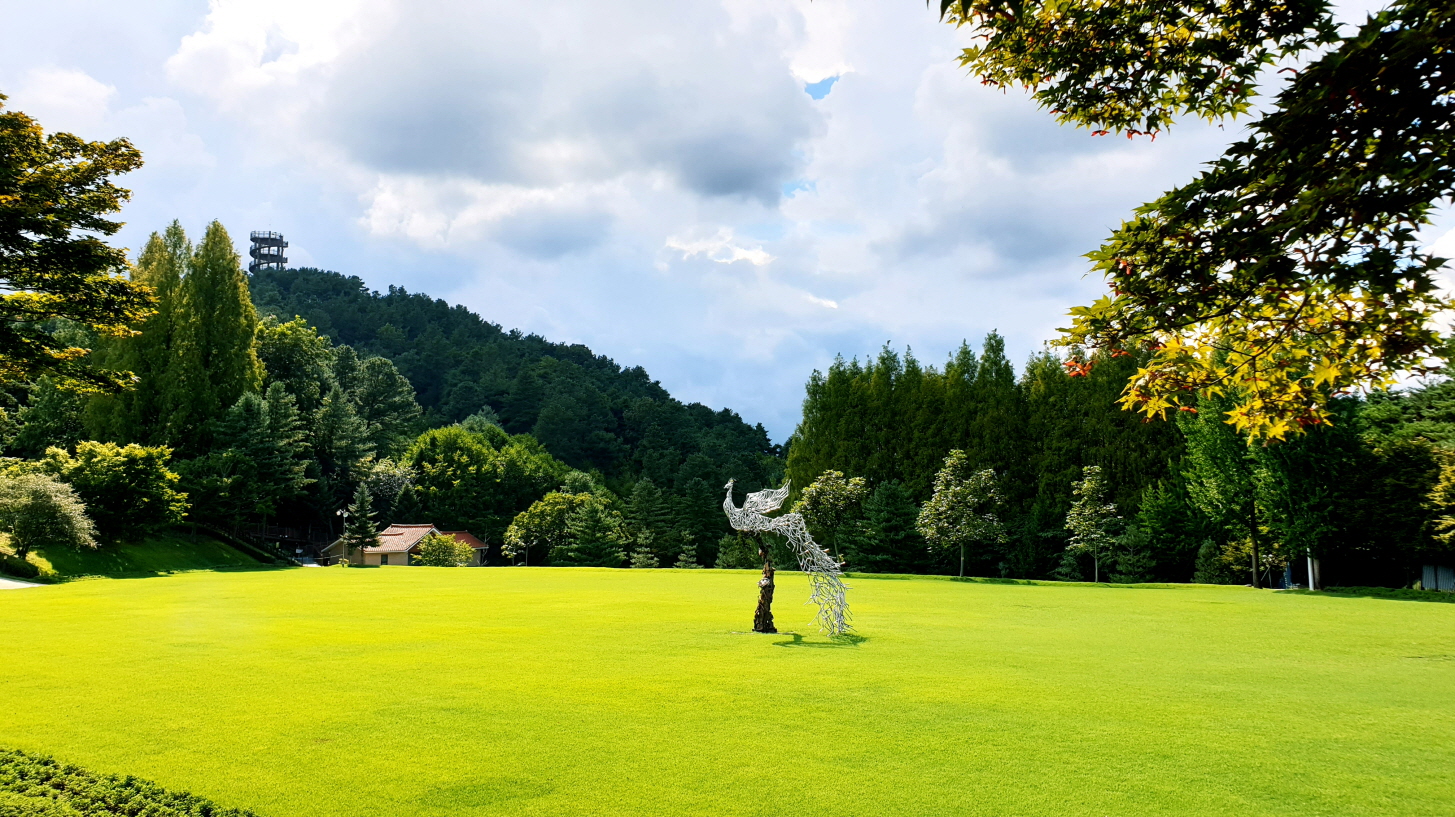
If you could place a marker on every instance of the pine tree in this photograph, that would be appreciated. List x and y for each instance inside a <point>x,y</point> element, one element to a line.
<point>359,529</point>
<point>340,438</point>
<point>406,509</point>
<point>217,359</point>
<point>893,544</point>
<point>268,437</point>
<point>648,516</point>
<point>594,535</point>
<point>1219,471</point>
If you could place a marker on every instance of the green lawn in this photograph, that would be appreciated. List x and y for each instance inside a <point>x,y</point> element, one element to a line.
<point>528,691</point>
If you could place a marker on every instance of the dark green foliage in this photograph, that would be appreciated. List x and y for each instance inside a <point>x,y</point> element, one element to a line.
<point>737,552</point>
<point>56,193</point>
<point>360,531</point>
<point>892,544</point>
<point>585,409</point>
<point>266,439</point>
<point>51,417</point>
<point>36,786</point>
<point>893,420</point>
<point>143,414</point>
<point>595,538</point>
<point>1133,555</point>
<point>216,346</point>
<point>130,491</point>
<point>406,508</point>
<point>1217,565</point>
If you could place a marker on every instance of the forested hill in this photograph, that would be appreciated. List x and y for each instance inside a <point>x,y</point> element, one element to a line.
<point>586,410</point>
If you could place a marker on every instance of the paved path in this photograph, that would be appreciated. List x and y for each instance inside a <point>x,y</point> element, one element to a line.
<point>12,584</point>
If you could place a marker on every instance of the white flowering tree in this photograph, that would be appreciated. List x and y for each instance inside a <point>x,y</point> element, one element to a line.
<point>962,510</point>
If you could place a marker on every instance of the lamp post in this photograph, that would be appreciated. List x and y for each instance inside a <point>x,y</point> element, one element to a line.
<point>343,512</point>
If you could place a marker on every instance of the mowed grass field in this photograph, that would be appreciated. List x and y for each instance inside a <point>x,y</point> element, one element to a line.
<point>526,691</point>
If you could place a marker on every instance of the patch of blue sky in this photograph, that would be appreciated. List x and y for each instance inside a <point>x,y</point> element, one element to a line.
<point>764,230</point>
<point>820,89</point>
<point>794,186</point>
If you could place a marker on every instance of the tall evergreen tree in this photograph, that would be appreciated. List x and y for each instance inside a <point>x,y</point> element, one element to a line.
<point>595,536</point>
<point>217,359</point>
<point>359,529</point>
<point>893,544</point>
<point>341,446</point>
<point>141,414</point>
<point>1219,471</point>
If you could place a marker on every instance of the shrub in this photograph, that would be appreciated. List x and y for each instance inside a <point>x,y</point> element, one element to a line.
<point>37,786</point>
<point>438,550</point>
<point>38,509</point>
<point>128,490</point>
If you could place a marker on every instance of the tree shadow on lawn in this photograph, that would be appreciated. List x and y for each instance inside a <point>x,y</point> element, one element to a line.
<point>834,641</point>
<point>152,574</point>
<point>1386,593</point>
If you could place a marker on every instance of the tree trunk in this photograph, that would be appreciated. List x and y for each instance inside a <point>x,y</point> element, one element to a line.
<point>962,560</point>
<point>1253,537</point>
<point>763,616</point>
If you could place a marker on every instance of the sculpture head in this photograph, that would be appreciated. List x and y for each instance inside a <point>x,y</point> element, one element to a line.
<point>730,483</point>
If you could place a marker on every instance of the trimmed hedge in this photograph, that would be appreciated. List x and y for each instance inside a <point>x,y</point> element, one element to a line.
<point>38,786</point>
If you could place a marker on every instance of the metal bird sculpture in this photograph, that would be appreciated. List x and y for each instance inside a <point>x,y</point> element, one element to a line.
<point>824,576</point>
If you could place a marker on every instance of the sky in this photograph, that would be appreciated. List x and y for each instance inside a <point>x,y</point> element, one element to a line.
<point>728,193</point>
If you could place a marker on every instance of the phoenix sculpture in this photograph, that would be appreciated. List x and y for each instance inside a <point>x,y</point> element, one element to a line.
<point>824,576</point>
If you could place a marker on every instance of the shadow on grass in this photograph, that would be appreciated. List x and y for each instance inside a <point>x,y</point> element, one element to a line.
<point>833,641</point>
<point>152,574</point>
<point>901,577</point>
<point>1386,593</point>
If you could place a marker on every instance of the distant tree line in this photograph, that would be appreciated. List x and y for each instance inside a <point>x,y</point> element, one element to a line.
<point>1189,499</point>
<point>255,417</point>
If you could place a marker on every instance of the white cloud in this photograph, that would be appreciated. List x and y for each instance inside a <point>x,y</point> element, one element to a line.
<point>720,248</point>
<point>64,99</point>
<point>648,177</point>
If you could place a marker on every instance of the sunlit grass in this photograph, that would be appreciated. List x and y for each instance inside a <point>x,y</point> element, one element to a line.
<point>524,691</point>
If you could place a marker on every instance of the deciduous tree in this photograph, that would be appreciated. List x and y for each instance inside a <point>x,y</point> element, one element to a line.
<point>439,550</point>
<point>38,509</point>
<point>962,510</point>
<point>1290,271</point>
<point>1092,521</point>
<point>56,192</point>
<point>129,490</point>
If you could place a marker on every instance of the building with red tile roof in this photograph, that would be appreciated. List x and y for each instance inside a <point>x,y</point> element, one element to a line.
<point>397,543</point>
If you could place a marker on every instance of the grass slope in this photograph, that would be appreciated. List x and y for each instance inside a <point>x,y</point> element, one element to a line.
<point>420,691</point>
<point>163,553</point>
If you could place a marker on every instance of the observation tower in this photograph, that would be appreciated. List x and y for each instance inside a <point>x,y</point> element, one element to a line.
<point>267,251</point>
